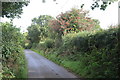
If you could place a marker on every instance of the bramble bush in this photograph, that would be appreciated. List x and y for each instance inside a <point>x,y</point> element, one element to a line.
<point>13,59</point>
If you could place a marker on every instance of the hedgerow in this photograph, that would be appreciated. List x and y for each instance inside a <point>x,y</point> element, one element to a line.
<point>78,43</point>
<point>13,59</point>
<point>94,54</point>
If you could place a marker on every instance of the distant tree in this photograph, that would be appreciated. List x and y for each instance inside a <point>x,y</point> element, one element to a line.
<point>12,9</point>
<point>38,29</point>
<point>26,41</point>
<point>42,20</point>
<point>34,33</point>
<point>71,21</point>
<point>74,21</point>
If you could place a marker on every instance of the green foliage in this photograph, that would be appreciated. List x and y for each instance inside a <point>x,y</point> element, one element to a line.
<point>93,51</point>
<point>13,59</point>
<point>12,9</point>
<point>34,34</point>
<point>72,21</point>
<point>26,41</point>
<point>100,60</point>
<point>75,42</point>
<point>42,20</point>
<point>46,44</point>
<point>99,64</point>
<point>49,43</point>
<point>100,39</point>
<point>38,30</point>
<point>89,54</point>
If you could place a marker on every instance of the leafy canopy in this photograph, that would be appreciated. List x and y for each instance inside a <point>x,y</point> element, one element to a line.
<point>12,9</point>
<point>38,29</point>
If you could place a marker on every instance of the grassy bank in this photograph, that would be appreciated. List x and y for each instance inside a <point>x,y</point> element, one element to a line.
<point>23,67</point>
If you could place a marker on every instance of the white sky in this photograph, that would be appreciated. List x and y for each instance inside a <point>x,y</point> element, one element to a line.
<point>37,8</point>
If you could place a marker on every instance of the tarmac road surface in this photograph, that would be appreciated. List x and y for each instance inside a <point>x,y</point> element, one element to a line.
<point>40,67</point>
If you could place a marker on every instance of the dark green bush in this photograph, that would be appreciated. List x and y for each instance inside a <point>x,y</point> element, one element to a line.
<point>46,44</point>
<point>76,42</point>
<point>49,43</point>
<point>105,39</point>
<point>97,53</point>
<point>98,64</point>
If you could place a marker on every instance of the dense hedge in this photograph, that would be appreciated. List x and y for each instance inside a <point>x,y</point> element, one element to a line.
<point>90,54</point>
<point>13,59</point>
<point>87,41</point>
<point>99,52</point>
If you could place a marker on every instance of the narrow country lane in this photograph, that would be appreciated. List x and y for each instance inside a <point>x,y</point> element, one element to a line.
<point>40,67</point>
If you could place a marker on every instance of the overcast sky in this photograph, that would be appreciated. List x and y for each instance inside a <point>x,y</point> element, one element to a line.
<point>36,8</point>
